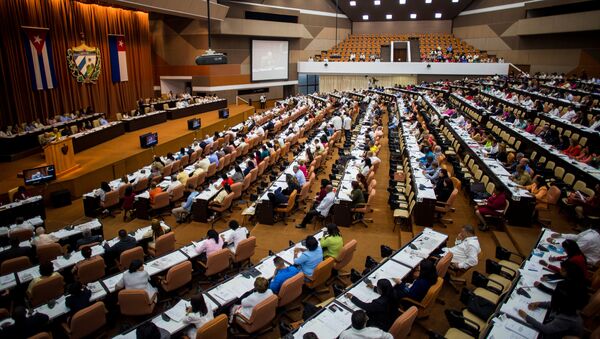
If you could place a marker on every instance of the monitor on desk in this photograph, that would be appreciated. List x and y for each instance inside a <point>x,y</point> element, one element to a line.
<point>194,124</point>
<point>39,175</point>
<point>149,140</point>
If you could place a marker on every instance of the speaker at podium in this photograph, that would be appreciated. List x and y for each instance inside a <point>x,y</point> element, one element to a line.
<point>60,154</point>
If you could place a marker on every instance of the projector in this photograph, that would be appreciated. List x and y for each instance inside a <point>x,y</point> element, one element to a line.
<point>211,57</point>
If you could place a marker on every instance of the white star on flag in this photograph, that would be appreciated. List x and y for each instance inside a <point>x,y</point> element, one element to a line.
<point>120,42</point>
<point>37,39</point>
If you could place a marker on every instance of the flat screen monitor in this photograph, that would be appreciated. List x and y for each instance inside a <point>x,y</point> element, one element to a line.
<point>149,140</point>
<point>39,175</point>
<point>224,113</point>
<point>194,124</point>
<point>269,60</point>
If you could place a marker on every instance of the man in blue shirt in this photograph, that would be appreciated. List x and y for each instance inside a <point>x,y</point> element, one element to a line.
<point>214,158</point>
<point>186,208</point>
<point>299,175</point>
<point>282,274</point>
<point>311,257</point>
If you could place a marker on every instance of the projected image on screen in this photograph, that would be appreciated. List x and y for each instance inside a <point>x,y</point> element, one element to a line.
<point>269,60</point>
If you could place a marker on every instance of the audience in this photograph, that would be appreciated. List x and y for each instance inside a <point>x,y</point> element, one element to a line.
<point>562,321</point>
<point>322,209</point>
<point>124,243</point>
<point>381,311</point>
<point>466,249</point>
<point>197,314</point>
<point>494,206</point>
<point>238,234</point>
<point>359,328</point>
<point>416,286</point>
<point>46,272</point>
<point>41,238</point>
<point>211,244</point>
<point>136,278</point>
<point>282,273</point>
<point>332,242</point>
<point>261,292</point>
<point>78,298</point>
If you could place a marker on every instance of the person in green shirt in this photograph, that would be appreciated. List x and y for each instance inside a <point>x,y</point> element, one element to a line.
<point>332,242</point>
<point>357,194</point>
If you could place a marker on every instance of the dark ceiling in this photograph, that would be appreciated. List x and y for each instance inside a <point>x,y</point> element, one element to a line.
<point>400,12</point>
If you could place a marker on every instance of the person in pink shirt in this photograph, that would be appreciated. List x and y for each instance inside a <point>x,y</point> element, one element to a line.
<point>211,244</point>
<point>302,168</point>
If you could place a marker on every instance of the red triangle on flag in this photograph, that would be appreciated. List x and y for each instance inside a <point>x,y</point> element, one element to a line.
<point>37,37</point>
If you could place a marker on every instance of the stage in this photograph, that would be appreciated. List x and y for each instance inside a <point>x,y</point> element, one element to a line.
<point>123,154</point>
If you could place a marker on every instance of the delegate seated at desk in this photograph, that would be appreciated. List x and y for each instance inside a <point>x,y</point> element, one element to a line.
<point>87,238</point>
<point>466,249</point>
<point>418,284</point>
<point>238,234</point>
<point>322,209</point>
<point>360,329</point>
<point>46,272</point>
<point>16,250</point>
<point>156,230</point>
<point>197,314</point>
<point>186,207</point>
<point>282,273</point>
<point>125,243</point>
<point>308,259</point>
<point>381,311</point>
<point>25,326</point>
<point>262,292</point>
<point>136,278</point>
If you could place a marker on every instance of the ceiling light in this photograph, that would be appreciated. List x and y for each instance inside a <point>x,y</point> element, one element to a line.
<point>455,1</point>
<point>388,16</point>
<point>438,15</point>
<point>427,1</point>
<point>365,17</point>
<point>352,3</point>
<point>413,15</point>
<point>377,2</point>
<point>402,2</point>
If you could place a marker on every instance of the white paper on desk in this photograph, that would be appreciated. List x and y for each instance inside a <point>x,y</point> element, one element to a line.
<point>327,324</point>
<point>389,270</point>
<point>519,329</point>
<point>59,308</point>
<point>29,274</point>
<point>266,268</point>
<point>112,281</point>
<point>177,312</point>
<point>408,258</point>
<point>360,291</point>
<point>287,255</point>
<point>516,303</point>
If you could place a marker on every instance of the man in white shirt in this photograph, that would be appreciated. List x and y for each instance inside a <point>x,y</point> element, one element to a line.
<point>588,241</point>
<point>336,121</point>
<point>322,209</point>
<point>299,175</point>
<point>570,114</point>
<point>360,330</point>
<point>238,234</point>
<point>202,164</point>
<point>466,249</point>
<point>174,184</point>
<point>347,125</point>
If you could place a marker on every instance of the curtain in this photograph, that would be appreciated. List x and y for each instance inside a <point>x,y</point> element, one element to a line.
<point>67,19</point>
<point>328,83</point>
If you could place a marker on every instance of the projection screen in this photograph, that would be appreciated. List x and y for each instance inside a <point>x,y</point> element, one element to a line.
<point>270,60</point>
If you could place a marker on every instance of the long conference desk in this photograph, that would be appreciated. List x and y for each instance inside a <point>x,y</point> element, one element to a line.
<point>85,140</point>
<point>26,209</point>
<point>221,296</point>
<point>145,120</point>
<point>10,147</point>
<point>335,317</point>
<point>176,113</point>
<point>522,203</point>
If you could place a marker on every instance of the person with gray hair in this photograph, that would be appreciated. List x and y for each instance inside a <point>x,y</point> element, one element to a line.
<point>466,249</point>
<point>299,175</point>
<point>87,238</point>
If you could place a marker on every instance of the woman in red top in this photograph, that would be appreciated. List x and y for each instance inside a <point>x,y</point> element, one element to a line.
<point>128,200</point>
<point>494,206</point>
<point>574,255</point>
<point>226,180</point>
<point>574,149</point>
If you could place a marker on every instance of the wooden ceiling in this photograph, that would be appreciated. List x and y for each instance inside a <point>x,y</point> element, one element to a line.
<point>401,12</point>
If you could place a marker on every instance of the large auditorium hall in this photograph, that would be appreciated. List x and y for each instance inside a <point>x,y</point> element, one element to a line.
<point>300,169</point>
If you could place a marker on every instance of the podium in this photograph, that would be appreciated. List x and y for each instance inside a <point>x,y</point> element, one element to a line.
<point>60,153</point>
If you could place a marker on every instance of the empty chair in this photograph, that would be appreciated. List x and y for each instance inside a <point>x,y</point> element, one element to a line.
<point>262,316</point>
<point>177,193</point>
<point>214,329</point>
<point>403,324</point>
<point>442,208</point>
<point>161,200</point>
<point>442,265</point>
<point>86,321</point>
<point>244,251</point>
<point>48,252</point>
<point>222,208</point>
<point>91,270</point>
<point>128,256</point>
<point>163,244</point>
<point>21,234</point>
<point>216,262</point>
<point>136,302</point>
<point>285,209</point>
<point>44,291</point>
<point>177,276</point>
<point>15,265</point>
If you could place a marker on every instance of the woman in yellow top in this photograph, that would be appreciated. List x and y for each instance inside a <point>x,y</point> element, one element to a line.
<point>46,272</point>
<point>539,189</point>
<point>332,242</point>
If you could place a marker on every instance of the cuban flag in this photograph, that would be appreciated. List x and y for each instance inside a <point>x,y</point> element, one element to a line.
<point>39,57</point>
<point>118,57</point>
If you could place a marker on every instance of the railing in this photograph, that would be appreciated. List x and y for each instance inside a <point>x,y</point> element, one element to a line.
<point>238,99</point>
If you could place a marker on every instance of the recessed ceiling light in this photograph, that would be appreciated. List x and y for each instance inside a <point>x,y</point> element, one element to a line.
<point>402,2</point>
<point>352,3</point>
<point>438,15</point>
<point>413,15</point>
<point>388,16</point>
<point>455,1</point>
<point>365,17</point>
<point>427,1</point>
<point>377,2</point>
